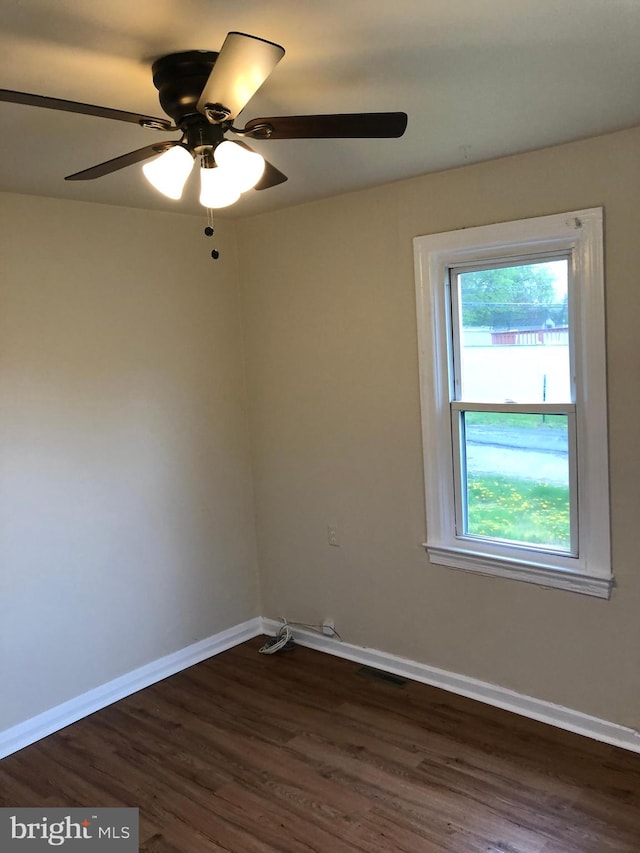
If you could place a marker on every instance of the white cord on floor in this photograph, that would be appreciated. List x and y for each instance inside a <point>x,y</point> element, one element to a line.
<point>274,644</point>
<point>284,637</point>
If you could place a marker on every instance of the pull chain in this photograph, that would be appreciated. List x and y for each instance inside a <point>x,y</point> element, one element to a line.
<point>209,231</point>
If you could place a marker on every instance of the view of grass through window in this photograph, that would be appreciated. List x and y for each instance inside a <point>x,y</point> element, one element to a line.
<point>517,478</point>
<point>519,511</point>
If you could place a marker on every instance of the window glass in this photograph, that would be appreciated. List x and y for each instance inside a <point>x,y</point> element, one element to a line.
<point>514,339</point>
<point>517,478</point>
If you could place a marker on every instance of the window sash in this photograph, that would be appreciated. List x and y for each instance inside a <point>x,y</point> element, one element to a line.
<point>457,412</point>
<point>458,405</point>
<point>454,309</point>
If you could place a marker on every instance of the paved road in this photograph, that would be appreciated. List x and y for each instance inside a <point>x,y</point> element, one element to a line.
<point>532,454</point>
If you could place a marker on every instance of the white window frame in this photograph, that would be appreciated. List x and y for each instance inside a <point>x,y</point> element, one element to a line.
<point>578,235</point>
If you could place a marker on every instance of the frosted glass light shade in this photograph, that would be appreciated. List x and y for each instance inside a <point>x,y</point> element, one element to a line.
<point>217,188</point>
<point>168,173</point>
<point>245,166</point>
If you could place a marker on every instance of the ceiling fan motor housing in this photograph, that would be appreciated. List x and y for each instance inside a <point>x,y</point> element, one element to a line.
<point>180,79</point>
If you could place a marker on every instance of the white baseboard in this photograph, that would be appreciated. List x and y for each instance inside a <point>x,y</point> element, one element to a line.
<point>32,730</point>
<point>491,694</point>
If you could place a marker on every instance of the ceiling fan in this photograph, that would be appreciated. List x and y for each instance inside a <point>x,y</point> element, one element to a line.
<point>203,92</point>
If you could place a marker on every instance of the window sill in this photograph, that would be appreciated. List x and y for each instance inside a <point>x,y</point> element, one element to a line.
<point>521,571</point>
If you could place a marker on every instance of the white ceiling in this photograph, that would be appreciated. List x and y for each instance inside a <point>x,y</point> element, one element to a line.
<point>478,79</point>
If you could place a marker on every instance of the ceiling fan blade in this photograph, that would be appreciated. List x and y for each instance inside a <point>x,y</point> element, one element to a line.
<point>271,176</point>
<point>345,125</point>
<point>84,109</point>
<point>121,162</point>
<point>242,66</point>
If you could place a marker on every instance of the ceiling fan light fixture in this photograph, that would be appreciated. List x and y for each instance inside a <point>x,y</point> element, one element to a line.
<point>217,188</point>
<point>168,173</point>
<point>244,166</point>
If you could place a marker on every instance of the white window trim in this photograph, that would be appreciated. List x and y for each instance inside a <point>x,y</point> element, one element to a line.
<point>580,234</point>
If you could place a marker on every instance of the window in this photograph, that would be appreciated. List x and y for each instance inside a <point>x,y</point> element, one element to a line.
<point>513,394</point>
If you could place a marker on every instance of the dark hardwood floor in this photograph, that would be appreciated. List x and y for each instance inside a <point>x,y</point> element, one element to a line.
<point>300,751</point>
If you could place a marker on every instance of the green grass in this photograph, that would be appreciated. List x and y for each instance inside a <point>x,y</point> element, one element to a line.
<point>519,511</point>
<point>515,419</point>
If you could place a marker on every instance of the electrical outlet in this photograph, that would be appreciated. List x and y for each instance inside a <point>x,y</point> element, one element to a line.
<point>332,535</point>
<point>328,627</point>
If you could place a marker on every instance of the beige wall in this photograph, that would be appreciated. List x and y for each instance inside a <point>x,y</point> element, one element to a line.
<point>330,326</point>
<point>126,515</point>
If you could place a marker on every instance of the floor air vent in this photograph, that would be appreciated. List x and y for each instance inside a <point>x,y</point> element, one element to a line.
<point>381,675</point>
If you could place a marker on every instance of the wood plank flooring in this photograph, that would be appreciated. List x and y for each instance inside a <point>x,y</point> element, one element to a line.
<point>303,752</point>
